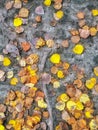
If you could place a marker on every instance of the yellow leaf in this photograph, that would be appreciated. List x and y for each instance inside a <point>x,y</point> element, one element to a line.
<point>42,104</point>
<point>64,97</point>
<point>93,31</point>
<point>60,74</point>
<point>47,2</point>
<point>55,58</point>
<point>79,106</point>
<point>88,114</point>
<point>13,81</point>
<point>9,74</point>
<point>95,12</point>
<point>6,61</point>
<point>59,14</point>
<point>78,49</point>
<point>60,105</point>
<point>93,125</point>
<point>71,105</point>
<point>17,22</point>
<point>12,122</point>
<point>56,84</point>
<point>2,127</point>
<point>90,83</point>
<point>96,70</point>
<point>84,98</point>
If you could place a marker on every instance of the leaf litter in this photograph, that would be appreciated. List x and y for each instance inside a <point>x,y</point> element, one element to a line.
<point>29,108</point>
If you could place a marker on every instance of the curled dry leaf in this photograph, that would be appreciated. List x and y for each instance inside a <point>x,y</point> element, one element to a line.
<point>40,42</point>
<point>32,59</point>
<point>74,32</point>
<point>11,95</point>
<point>24,12</point>
<point>78,82</point>
<point>75,39</point>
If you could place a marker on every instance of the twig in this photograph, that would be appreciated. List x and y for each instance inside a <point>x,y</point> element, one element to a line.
<point>50,123</point>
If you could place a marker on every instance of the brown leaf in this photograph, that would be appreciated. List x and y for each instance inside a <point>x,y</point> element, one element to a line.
<point>9,5</point>
<point>65,43</point>
<point>71,90</point>
<point>24,12</point>
<point>75,39</point>
<point>45,114</point>
<point>80,15</point>
<point>84,33</point>
<point>2,108</point>
<point>17,4</point>
<point>81,23</point>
